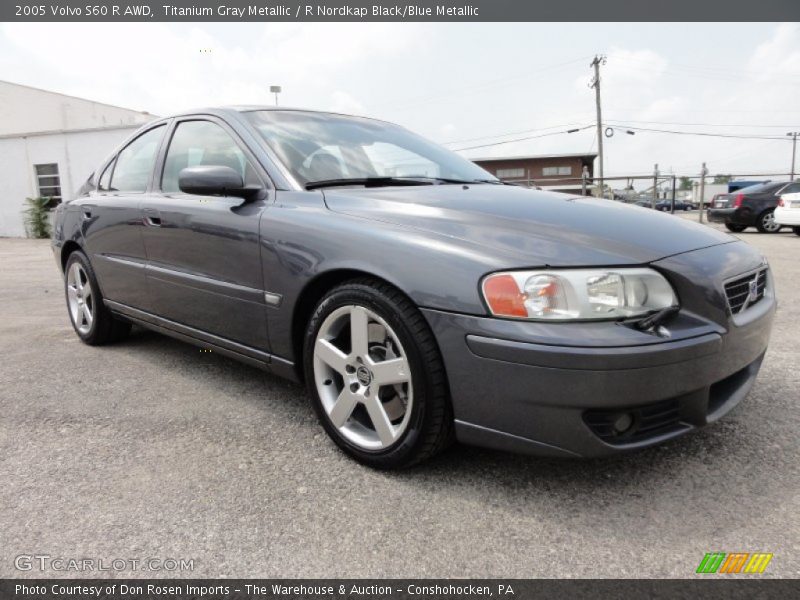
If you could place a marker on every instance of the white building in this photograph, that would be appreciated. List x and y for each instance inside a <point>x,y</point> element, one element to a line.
<point>50,143</point>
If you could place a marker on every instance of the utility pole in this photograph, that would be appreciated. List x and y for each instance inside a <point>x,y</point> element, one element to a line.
<point>598,60</point>
<point>655,184</point>
<point>673,195</point>
<point>793,135</point>
<point>703,173</point>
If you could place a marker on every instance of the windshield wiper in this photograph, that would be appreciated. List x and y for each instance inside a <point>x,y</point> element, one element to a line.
<point>396,180</point>
<point>369,182</point>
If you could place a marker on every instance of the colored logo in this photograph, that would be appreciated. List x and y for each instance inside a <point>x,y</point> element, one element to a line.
<point>734,562</point>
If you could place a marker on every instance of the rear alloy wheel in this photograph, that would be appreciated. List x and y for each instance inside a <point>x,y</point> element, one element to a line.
<point>735,228</point>
<point>766,222</point>
<point>375,376</point>
<point>90,318</point>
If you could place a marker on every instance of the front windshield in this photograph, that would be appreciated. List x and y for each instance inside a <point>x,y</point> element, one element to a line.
<point>323,147</point>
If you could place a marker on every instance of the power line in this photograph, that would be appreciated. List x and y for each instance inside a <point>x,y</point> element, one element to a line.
<point>700,69</point>
<point>532,137</point>
<point>518,132</point>
<point>484,85</point>
<point>618,123</point>
<point>705,133</point>
<point>702,124</point>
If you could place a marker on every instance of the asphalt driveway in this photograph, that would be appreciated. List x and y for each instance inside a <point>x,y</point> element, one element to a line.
<point>152,448</point>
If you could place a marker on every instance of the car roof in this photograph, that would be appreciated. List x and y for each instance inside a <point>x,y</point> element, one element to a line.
<point>761,187</point>
<point>242,108</point>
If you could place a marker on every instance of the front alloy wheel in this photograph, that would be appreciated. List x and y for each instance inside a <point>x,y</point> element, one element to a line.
<point>375,376</point>
<point>363,378</point>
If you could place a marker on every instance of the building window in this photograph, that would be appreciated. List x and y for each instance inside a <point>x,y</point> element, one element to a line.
<point>510,173</point>
<point>553,171</point>
<point>48,183</point>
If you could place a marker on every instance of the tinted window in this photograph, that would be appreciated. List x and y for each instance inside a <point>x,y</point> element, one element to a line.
<point>760,188</point>
<point>792,188</point>
<point>203,143</point>
<point>135,163</point>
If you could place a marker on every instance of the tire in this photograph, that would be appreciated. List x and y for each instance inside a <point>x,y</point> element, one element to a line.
<point>766,222</point>
<point>735,228</point>
<point>345,385</point>
<point>796,230</point>
<point>90,318</point>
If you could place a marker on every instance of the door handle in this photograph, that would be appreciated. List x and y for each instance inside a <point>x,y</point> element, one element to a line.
<point>152,217</point>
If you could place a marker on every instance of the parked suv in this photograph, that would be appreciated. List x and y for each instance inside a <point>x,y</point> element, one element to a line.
<point>752,206</point>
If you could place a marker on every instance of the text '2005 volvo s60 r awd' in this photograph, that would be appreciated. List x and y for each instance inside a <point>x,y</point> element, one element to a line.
<point>419,298</point>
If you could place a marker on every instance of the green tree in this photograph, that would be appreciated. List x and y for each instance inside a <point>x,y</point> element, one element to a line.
<point>686,183</point>
<point>37,222</point>
<point>722,178</point>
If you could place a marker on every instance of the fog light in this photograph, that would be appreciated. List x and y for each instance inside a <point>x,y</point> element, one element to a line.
<point>623,423</point>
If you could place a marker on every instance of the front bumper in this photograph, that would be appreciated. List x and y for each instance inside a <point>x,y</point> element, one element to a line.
<point>557,389</point>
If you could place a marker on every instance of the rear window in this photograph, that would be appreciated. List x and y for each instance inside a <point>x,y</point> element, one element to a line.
<point>759,188</point>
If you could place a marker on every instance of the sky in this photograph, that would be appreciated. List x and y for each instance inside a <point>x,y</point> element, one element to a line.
<point>460,84</point>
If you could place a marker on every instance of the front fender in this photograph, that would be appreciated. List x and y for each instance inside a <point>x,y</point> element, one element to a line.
<point>302,240</point>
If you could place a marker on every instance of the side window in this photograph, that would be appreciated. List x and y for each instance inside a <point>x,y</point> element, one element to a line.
<point>135,162</point>
<point>105,178</point>
<point>203,143</point>
<point>792,188</point>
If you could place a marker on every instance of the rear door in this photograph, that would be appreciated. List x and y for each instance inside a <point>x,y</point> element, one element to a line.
<point>112,222</point>
<point>204,261</point>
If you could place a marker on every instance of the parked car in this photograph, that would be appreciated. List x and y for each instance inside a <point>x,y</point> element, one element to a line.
<point>752,206</point>
<point>644,203</point>
<point>666,205</point>
<point>788,211</point>
<point>418,298</point>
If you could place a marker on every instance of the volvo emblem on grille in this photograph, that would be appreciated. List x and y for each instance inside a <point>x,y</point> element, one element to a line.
<point>753,295</point>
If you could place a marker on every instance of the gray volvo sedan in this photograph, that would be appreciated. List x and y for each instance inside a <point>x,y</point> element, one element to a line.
<point>420,299</point>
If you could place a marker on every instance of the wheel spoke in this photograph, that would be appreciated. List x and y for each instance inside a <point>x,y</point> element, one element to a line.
<point>359,331</point>
<point>330,355</point>
<point>343,408</point>
<point>87,314</point>
<point>390,371</point>
<point>380,420</point>
<point>76,275</point>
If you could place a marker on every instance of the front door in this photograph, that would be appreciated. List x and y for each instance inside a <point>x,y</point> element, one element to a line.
<point>204,262</point>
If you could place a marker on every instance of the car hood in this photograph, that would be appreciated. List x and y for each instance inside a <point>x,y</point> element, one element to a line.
<point>530,227</point>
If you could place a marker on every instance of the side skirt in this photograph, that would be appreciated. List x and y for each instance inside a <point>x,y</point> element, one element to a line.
<point>251,356</point>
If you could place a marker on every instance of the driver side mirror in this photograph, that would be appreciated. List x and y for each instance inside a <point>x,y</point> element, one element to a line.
<point>208,180</point>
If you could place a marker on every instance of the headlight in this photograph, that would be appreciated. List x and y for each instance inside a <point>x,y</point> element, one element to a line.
<point>577,293</point>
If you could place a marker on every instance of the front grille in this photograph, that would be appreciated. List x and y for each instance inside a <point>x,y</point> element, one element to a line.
<point>646,422</point>
<point>746,291</point>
